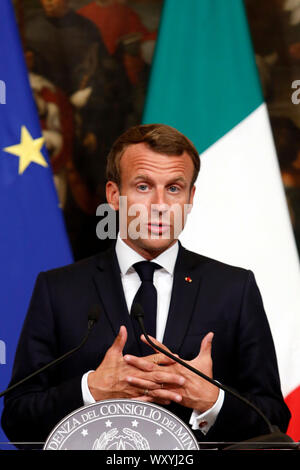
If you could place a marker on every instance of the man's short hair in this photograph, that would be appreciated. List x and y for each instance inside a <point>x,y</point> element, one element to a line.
<point>158,137</point>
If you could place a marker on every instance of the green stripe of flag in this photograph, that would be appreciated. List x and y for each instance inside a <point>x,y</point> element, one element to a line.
<point>204,79</point>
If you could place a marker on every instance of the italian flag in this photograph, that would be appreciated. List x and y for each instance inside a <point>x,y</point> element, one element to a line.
<point>204,82</point>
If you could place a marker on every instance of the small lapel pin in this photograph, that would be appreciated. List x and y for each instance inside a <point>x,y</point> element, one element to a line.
<point>188,279</point>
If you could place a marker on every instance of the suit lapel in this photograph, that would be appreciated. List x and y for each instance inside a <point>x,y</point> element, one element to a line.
<point>186,285</point>
<point>109,286</point>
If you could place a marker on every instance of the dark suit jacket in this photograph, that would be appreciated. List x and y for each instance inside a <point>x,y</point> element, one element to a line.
<point>220,298</point>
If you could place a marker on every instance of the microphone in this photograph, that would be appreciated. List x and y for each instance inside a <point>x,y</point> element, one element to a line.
<point>275,434</point>
<point>93,317</point>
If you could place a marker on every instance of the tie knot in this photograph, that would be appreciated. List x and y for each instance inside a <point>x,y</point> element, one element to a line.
<point>145,270</point>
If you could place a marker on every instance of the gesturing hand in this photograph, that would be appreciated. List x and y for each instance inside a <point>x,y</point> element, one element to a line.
<point>196,392</point>
<point>115,377</point>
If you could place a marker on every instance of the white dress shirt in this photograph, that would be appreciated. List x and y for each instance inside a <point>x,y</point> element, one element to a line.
<point>163,281</point>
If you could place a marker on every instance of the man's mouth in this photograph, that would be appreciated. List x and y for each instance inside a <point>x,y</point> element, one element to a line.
<point>158,228</point>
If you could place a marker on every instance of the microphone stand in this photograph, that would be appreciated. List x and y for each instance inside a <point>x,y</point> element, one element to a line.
<point>275,434</point>
<point>92,320</point>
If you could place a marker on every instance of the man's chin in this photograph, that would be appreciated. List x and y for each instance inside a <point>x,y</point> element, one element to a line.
<point>152,246</point>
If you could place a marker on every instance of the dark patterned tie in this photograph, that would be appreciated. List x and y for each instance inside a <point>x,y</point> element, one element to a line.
<point>146,296</point>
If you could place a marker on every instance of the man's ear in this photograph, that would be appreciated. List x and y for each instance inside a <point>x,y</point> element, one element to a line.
<point>112,195</point>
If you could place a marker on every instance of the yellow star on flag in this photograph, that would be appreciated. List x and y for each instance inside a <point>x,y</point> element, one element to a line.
<point>28,150</point>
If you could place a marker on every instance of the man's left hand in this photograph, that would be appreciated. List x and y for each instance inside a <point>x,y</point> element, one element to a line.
<point>197,393</point>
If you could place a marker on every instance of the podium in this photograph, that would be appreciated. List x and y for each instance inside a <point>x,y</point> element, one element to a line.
<point>144,428</point>
<point>121,424</point>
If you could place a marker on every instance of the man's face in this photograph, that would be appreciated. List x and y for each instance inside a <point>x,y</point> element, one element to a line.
<point>158,191</point>
<point>55,8</point>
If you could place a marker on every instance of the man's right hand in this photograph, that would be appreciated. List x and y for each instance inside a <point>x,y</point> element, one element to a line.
<point>112,379</point>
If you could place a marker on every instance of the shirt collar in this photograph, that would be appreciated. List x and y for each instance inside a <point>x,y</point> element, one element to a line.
<point>127,256</point>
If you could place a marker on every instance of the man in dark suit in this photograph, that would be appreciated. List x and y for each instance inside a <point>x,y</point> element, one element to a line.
<point>208,313</point>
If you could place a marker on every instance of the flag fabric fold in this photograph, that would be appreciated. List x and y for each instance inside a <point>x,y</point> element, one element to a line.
<point>32,236</point>
<point>204,82</point>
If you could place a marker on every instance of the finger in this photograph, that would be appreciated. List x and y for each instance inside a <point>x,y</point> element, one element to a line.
<point>160,359</point>
<point>160,376</point>
<point>149,384</point>
<point>139,362</point>
<point>155,380</point>
<point>141,383</point>
<point>206,344</point>
<point>120,340</point>
<point>147,363</point>
<point>160,396</point>
<point>154,374</point>
<point>159,401</point>
<point>165,394</point>
<point>155,341</point>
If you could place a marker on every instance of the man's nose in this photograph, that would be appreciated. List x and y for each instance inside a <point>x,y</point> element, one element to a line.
<point>159,201</point>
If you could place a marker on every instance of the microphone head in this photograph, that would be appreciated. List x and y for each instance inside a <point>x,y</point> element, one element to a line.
<point>137,310</point>
<point>94,314</point>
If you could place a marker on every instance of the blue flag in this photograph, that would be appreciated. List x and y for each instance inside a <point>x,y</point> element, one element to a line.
<point>32,234</point>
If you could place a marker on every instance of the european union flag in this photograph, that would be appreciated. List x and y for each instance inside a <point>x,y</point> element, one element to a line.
<point>32,233</point>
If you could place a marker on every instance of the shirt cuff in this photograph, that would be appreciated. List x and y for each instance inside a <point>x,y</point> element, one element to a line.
<point>87,397</point>
<point>204,421</point>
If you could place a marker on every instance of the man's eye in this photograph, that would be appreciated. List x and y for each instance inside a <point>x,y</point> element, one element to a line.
<point>173,189</point>
<point>143,187</point>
